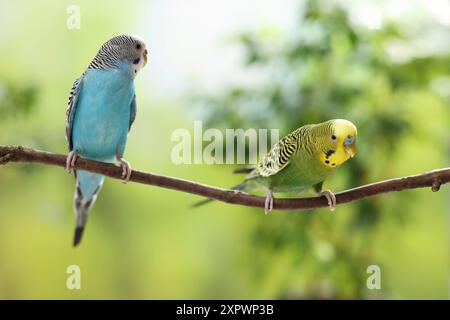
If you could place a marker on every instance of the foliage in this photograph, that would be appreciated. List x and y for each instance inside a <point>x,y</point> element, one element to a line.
<point>16,100</point>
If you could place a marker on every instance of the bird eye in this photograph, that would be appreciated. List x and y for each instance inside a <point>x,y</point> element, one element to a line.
<point>333,137</point>
<point>138,46</point>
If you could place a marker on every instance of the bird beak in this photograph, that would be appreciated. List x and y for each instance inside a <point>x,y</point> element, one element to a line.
<point>351,150</point>
<point>145,57</point>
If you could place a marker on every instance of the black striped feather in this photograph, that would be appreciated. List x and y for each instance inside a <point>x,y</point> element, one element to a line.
<point>113,51</point>
<point>300,140</point>
<point>71,106</point>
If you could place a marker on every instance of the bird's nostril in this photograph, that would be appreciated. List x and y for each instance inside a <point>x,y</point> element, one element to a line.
<point>145,51</point>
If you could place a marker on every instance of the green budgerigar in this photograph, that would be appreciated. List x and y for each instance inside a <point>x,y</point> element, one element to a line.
<point>303,160</point>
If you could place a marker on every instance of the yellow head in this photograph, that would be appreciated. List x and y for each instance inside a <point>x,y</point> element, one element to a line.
<point>336,140</point>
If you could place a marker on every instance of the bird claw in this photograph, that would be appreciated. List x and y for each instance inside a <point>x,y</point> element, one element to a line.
<point>126,170</point>
<point>71,159</point>
<point>268,205</point>
<point>331,198</point>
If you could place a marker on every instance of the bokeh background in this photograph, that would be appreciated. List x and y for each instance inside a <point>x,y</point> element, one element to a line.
<point>233,64</point>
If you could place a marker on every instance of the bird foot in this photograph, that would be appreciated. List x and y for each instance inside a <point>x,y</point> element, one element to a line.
<point>330,197</point>
<point>268,205</point>
<point>126,170</point>
<point>71,159</point>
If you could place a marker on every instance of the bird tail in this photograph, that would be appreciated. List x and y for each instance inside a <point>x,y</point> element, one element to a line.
<point>201,203</point>
<point>239,187</point>
<point>245,170</point>
<point>88,186</point>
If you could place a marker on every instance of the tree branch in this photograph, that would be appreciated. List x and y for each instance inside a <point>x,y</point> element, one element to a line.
<point>433,179</point>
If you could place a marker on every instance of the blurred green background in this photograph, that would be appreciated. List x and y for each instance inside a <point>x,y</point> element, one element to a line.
<point>382,64</point>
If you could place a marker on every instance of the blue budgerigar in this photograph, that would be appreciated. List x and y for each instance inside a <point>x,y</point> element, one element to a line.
<point>101,110</point>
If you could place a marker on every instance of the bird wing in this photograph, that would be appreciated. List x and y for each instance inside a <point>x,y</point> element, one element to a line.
<point>278,157</point>
<point>71,108</point>
<point>133,110</point>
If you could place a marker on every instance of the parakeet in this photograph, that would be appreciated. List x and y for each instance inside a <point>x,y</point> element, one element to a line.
<point>100,113</point>
<point>303,160</point>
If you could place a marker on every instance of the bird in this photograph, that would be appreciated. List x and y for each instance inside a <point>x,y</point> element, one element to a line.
<point>301,161</point>
<point>100,112</point>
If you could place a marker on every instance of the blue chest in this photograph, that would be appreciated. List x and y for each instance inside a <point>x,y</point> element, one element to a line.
<point>102,115</point>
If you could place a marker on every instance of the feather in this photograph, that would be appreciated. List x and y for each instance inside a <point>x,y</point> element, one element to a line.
<point>133,111</point>
<point>71,108</point>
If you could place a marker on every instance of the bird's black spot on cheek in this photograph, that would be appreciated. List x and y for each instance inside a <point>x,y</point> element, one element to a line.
<point>327,161</point>
<point>329,153</point>
<point>136,61</point>
<point>333,164</point>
